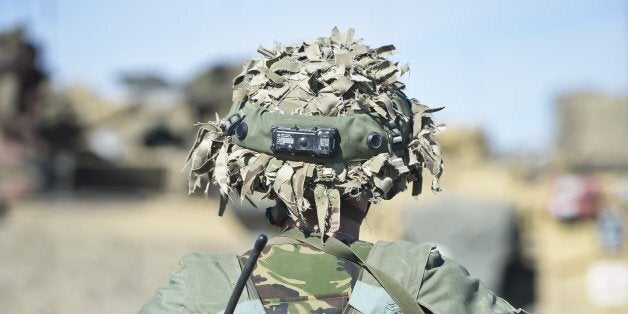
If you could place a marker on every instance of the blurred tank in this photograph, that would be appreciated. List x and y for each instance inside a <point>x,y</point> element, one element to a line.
<point>210,91</point>
<point>130,148</point>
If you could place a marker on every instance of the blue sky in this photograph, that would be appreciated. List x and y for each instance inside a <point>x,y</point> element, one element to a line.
<point>499,64</point>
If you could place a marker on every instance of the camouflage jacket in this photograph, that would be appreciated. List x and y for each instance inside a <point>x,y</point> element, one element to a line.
<point>294,277</point>
<point>298,278</point>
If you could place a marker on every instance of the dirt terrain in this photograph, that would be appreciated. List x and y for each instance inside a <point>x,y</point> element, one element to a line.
<point>104,255</point>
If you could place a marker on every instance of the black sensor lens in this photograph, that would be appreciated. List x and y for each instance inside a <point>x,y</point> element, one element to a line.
<point>374,140</point>
<point>241,130</point>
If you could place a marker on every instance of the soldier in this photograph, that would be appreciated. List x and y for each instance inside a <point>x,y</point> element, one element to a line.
<point>324,129</point>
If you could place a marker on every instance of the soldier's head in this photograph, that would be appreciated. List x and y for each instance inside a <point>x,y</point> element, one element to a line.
<point>317,123</point>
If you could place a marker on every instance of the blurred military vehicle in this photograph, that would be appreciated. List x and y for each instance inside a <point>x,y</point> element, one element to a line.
<point>129,148</point>
<point>79,141</point>
<point>210,91</point>
<point>66,139</point>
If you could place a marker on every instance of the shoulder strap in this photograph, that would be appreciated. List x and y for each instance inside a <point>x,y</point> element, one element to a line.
<point>333,246</point>
<point>404,261</point>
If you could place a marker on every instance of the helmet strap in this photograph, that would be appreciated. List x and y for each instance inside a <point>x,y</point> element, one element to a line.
<point>277,214</point>
<point>352,212</point>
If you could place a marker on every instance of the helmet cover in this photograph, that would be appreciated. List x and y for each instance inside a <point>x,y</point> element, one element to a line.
<point>334,81</point>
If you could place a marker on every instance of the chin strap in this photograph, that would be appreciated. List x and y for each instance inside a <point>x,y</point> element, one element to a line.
<point>277,214</point>
<point>352,212</point>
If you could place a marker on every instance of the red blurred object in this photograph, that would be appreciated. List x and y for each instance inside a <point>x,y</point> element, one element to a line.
<point>574,197</point>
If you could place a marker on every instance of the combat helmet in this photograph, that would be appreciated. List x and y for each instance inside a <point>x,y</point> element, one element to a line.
<point>314,123</point>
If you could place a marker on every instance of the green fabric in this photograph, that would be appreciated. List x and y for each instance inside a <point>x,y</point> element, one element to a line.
<point>402,260</point>
<point>353,131</point>
<point>202,285</point>
<point>439,284</point>
<point>448,288</point>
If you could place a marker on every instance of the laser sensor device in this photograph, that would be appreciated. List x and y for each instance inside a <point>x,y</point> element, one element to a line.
<point>316,141</point>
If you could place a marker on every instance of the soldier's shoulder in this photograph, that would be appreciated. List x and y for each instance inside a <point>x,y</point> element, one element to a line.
<point>195,257</point>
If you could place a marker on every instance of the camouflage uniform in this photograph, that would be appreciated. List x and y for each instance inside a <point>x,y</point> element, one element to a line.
<point>312,282</point>
<point>292,277</point>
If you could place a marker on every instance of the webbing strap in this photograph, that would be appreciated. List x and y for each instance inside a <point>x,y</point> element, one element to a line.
<point>335,247</point>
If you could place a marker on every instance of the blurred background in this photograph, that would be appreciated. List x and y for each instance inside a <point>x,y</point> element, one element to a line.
<point>98,102</point>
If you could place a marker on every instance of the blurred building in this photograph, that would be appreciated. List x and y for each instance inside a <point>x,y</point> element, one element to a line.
<point>592,129</point>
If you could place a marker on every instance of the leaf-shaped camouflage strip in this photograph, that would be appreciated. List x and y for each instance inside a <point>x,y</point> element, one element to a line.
<point>298,182</point>
<point>334,210</point>
<point>252,172</point>
<point>322,206</point>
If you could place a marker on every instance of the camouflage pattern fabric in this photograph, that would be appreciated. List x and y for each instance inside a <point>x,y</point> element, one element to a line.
<point>311,282</point>
<point>297,278</point>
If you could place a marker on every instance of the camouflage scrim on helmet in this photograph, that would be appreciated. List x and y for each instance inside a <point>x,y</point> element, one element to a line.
<point>336,76</point>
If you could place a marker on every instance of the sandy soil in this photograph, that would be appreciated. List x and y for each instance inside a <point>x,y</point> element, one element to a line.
<point>104,255</point>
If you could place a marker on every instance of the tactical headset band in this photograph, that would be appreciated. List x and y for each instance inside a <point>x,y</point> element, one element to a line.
<point>353,133</point>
